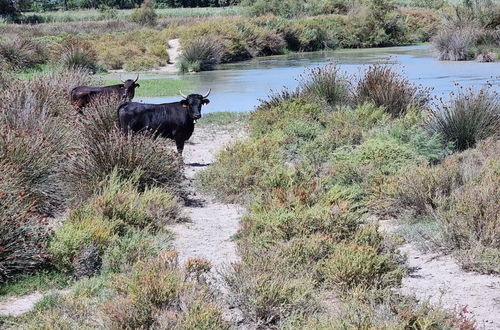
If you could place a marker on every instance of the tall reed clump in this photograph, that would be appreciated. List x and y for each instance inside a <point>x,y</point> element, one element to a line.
<point>382,86</point>
<point>18,53</point>
<point>200,54</point>
<point>328,83</point>
<point>469,117</point>
<point>33,140</point>
<point>78,54</point>
<point>23,233</point>
<point>98,147</point>
<point>455,44</point>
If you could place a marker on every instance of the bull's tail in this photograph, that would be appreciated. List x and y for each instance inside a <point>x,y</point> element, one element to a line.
<point>121,106</point>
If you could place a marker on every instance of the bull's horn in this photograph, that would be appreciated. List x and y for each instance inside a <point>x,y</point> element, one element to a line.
<point>208,93</point>
<point>136,78</point>
<point>122,79</point>
<point>184,96</point>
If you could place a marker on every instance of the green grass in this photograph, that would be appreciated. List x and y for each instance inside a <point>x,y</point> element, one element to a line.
<point>158,87</point>
<point>95,15</point>
<point>225,118</point>
<point>42,281</point>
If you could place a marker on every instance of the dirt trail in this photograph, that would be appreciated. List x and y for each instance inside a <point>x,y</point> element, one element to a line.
<point>173,50</point>
<point>208,234</point>
<point>15,306</point>
<point>440,279</point>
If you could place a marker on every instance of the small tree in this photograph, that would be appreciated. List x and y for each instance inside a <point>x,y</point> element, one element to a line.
<point>11,9</point>
<point>146,14</point>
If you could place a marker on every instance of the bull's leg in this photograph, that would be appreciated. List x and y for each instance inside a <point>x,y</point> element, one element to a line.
<point>180,146</point>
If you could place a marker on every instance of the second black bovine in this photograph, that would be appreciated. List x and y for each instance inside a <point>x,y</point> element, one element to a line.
<point>174,120</point>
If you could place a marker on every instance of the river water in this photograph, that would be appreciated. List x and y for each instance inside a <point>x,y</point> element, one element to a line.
<point>240,86</point>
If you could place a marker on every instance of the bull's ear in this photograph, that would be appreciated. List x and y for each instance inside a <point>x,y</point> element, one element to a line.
<point>122,85</point>
<point>184,103</point>
<point>206,101</point>
<point>137,85</point>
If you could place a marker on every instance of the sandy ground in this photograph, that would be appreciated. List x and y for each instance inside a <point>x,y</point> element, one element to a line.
<point>440,279</point>
<point>15,306</point>
<point>173,50</point>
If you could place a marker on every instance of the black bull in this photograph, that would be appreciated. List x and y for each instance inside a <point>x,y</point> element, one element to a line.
<point>169,120</point>
<point>81,96</point>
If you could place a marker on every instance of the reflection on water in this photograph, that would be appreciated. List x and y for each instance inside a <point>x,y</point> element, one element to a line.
<point>239,86</point>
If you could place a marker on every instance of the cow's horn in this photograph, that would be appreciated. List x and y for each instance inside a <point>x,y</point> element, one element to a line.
<point>184,96</point>
<point>136,78</point>
<point>208,93</point>
<point>122,79</point>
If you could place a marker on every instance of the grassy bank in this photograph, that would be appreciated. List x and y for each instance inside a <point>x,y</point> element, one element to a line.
<point>321,163</point>
<point>156,87</point>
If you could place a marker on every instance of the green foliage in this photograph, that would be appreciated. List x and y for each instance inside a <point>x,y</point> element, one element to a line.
<point>468,118</point>
<point>41,281</point>
<point>116,211</point>
<point>355,265</point>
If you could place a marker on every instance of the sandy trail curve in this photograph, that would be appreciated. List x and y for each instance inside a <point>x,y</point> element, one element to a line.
<point>15,306</point>
<point>209,233</point>
<point>440,279</point>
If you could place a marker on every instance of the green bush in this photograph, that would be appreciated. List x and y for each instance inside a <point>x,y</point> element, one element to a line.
<point>23,234</point>
<point>117,210</point>
<point>352,265</point>
<point>468,118</point>
<point>459,194</point>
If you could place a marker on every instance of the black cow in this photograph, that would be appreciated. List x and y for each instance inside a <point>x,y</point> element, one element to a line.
<point>169,120</point>
<point>81,96</point>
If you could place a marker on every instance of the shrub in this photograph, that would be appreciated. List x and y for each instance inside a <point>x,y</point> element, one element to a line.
<point>99,148</point>
<point>248,157</point>
<point>200,54</point>
<point>459,194</point>
<point>355,265</point>
<point>422,24</point>
<point>384,87</point>
<point>327,83</point>
<point>118,210</point>
<point>267,292</point>
<point>134,246</point>
<point>454,44</point>
<point>468,118</point>
<point>146,14</point>
<point>157,293</point>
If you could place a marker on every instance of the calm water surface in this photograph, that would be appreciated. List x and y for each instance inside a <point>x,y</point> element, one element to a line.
<point>239,86</point>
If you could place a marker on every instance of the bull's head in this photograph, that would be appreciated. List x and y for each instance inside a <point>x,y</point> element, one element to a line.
<point>129,87</point>
<point>193,103</point>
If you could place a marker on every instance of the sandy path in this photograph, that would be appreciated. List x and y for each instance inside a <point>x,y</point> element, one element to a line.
<point>209,233</point>
<point>440,279</point>
<point>173,50</point>
<point>15,306</point>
